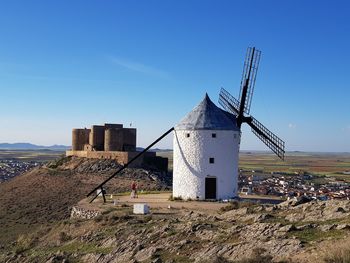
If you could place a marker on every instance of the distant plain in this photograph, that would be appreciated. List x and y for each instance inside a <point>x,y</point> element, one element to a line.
<point>30,155</point>
<point>319,164</point>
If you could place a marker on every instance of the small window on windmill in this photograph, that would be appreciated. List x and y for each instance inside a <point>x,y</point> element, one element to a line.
<point>211,160</point>
<point>187,135</point>
<point>235,136</point>
<point>213,135</point>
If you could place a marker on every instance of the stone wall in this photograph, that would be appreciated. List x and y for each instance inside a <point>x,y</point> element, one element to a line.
<point>78,212</point>
<point>129,139</point>
<point>120,157</point>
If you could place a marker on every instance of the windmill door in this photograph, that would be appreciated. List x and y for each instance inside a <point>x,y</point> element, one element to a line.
<point>210,188</point>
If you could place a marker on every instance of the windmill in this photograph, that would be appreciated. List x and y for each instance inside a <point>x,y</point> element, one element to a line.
<point>241,107</point>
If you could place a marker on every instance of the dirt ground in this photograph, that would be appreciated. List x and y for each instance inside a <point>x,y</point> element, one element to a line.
<point>154,201</point>
<point>161,201</point>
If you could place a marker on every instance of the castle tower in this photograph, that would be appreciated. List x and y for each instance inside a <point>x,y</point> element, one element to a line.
<point>80,137</point>
<point>206,146</point>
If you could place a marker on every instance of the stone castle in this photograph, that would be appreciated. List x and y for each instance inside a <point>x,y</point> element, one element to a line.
<point>108,137</point>
<point>111,141</point>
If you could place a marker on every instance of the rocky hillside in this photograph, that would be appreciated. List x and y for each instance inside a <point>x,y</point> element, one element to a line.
<point>46,194</point>
<point>239,232</point>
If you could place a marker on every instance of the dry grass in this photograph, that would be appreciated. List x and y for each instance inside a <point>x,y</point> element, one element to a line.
<point>338,252</point>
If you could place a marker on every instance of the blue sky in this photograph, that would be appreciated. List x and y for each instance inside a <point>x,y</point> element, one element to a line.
<point>66,64</point>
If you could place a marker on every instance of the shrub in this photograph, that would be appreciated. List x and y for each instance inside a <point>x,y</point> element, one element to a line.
<point>172,198</point>
<point>23,243</point>
<point>64,237</point>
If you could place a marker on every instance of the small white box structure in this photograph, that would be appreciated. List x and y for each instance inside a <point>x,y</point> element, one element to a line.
<point>99,192</point>
<point>141,209</point>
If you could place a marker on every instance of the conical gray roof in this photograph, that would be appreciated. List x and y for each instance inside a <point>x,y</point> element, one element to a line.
<point>207,116</point>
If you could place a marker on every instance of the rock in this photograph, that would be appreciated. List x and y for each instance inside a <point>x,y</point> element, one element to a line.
<point>184,242</point>
<point>271,208</point>
<point>199,226</point>
<point>306,226</point>
<point>327,227</point>
<point>233,215</point>
<point>157,260</point>
<point>138,247</point>
<point>146,253</point>
<point>295,201</point>
<point>287,228</point>
<point>259,231</point>
<point>262,217</point>
<point>343,227</point>
<point>340,209</point>
<point>91,257</point>
<point>56,259</point>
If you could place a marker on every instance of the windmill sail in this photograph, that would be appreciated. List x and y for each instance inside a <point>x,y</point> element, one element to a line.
<point>228,102</point>
<point>250,70</point>
<point>266,136</point>
<point>241,107</point>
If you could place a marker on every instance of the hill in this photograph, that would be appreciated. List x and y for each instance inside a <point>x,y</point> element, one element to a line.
<point>46,194</point>
<point>29,146</point>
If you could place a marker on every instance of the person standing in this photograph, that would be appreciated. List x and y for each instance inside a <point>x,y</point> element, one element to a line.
<point>134,190</point>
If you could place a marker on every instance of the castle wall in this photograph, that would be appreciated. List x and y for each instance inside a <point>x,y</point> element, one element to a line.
<point>129,139</point>
<point>112,125</point>
<point>120,157</point>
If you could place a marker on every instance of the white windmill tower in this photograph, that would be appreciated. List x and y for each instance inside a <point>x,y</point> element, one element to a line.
<point>206,145</point>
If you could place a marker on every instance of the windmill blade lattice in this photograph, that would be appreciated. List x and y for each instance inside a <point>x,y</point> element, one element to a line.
<point>266,136</point>
<point>250,70</point>
<point>228,102</point>
<point>241,107</point>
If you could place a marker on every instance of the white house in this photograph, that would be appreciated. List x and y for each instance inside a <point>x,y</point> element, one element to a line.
<point>206,146</point>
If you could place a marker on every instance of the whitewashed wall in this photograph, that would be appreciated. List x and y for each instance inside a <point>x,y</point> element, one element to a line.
<point>191,162</point>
